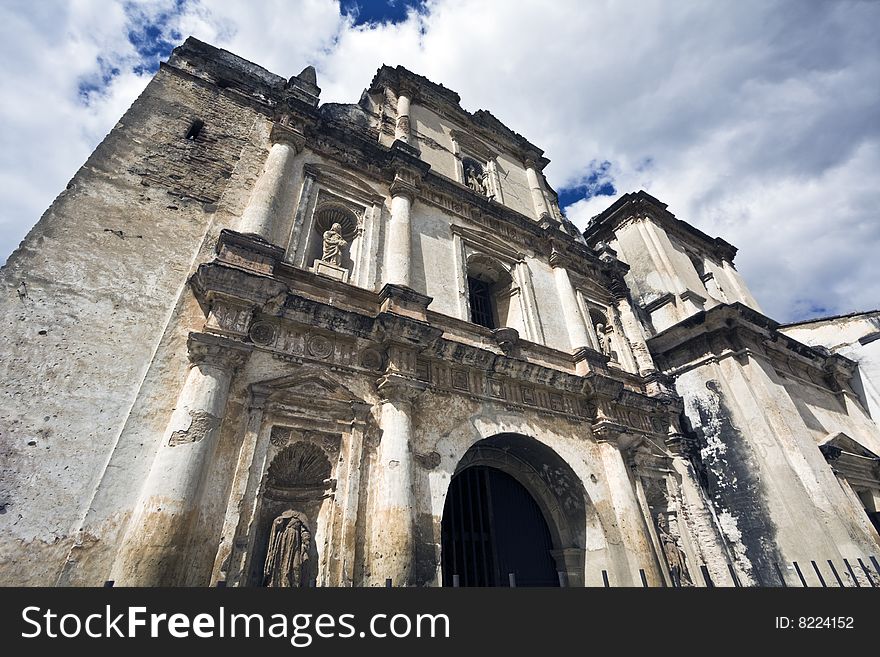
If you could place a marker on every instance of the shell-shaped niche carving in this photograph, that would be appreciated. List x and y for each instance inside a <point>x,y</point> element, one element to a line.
<point>334,213</point>
<point>300,465</point>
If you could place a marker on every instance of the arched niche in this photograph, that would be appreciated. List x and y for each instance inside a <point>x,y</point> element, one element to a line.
<point>328,213</point>
<point>307,453</point>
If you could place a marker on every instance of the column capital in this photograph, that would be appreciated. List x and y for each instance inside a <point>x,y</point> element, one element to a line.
<point>396,388</point>
<point>406,164</point>
<point>285,134</point>
<point>403,185</point>
<point>206,349</point>
<point>408,170</point>
<point>407,88</point>
<point>608,432</point>
<point>403,300</point>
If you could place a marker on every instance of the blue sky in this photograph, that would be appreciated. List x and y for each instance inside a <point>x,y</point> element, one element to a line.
<point>755,120</point>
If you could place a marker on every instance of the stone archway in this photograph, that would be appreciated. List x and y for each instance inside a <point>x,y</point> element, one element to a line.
<point>550,512</point>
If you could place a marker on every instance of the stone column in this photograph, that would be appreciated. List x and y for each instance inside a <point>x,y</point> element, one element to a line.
<point>392,523</point>
<point>402,127</point>
<point>403,192</point>
<point>574,321</point>
<point>630,520</point>
<point>271,194</point>
<point>542,210</point>
<point>154,546</point>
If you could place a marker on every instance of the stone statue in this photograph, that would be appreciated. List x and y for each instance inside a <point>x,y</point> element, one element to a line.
<point>475,179</point>
<point>674,555</point>
<point>604,340</point>
<point>289,543</point>
<point>333,245</point>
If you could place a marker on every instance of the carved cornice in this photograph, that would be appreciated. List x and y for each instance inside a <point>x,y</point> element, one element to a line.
<point>737,330</point>
<point>640,206</point>
<point>333,324</point>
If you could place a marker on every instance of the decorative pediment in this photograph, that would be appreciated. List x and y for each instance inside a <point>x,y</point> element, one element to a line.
<point>309,393</point>
<point>486,243</point>
<point>850,459</point>
<point>474,146</point>
<point>847,444</point>
<point>343,181</point>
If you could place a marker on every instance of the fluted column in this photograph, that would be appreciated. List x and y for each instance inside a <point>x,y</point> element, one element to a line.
<point>392,521</point>
<point>271,195</point>
<point>542,210</point>
<point>574,320</point>
<point>403,192</point>
<point>154,546</point>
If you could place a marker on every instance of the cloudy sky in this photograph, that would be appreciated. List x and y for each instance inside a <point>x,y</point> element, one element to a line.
<point>758,121</point>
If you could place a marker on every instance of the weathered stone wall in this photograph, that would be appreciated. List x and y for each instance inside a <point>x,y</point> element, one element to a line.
<point>776,499</point>
<point>434,137</point>
<point>88,296</point>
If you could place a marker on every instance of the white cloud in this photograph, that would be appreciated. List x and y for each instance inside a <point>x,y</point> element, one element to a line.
<point>755,121</point>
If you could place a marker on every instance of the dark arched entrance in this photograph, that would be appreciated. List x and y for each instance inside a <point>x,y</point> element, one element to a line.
<point>491,527</point>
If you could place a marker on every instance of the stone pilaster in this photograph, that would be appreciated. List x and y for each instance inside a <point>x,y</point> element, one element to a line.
<point>239,502</point>
<point>634,537</point>
<point>574,320</point>
<point>351,494</point>
<point>271,194</point>
<point>153,550</point>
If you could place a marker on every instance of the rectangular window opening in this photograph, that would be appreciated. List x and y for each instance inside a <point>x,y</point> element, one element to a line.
<point>480,295</point>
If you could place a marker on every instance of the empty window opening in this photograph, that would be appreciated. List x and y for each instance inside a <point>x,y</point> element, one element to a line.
<point>482,311</point>
<point>490,287</point>
<point>195,129</point>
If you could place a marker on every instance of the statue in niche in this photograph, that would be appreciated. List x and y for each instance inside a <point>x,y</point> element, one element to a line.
<point>289,544</point>
<point>604,339</point>
<point>475,178</point>
<point>333,245</point>
<point>675,558</point>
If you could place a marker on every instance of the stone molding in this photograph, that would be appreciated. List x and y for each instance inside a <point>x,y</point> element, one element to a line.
<point>734,329</point>
<point>392,338</point>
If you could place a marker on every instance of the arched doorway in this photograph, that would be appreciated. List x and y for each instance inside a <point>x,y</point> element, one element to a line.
<point>513,506</point>
<point>492,527</point>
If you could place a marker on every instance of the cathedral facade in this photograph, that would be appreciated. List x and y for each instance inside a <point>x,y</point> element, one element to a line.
<point>264,341</point>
